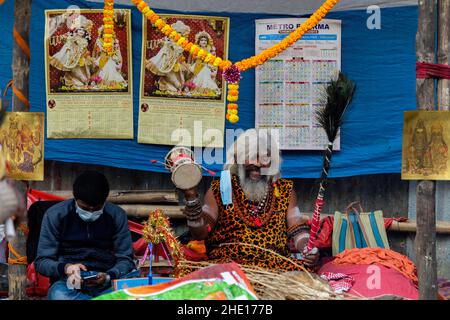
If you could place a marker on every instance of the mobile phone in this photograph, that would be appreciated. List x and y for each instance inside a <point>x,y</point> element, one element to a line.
<point>90,277</point>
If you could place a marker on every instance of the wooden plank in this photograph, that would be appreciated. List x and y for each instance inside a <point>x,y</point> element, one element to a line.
<point>129,196</point>
<point>20,66</point>
<point>143,210</point>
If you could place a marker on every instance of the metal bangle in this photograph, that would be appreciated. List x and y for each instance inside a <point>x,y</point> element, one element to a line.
<point>191,203</point>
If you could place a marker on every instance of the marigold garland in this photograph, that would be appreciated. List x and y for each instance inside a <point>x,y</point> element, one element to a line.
<point>244,64</point>
<point>108,26</point>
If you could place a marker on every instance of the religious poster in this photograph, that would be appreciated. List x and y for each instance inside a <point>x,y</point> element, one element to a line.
<point>289,86</point>
<point>22,145</point>
<point>89,92</point>
<point>178,91</point>
<point>426,135</point>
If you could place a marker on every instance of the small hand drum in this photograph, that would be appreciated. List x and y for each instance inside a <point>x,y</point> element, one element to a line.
<point>186,173</point>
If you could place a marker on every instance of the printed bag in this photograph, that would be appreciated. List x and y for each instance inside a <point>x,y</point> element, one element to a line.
<point>357,229</point>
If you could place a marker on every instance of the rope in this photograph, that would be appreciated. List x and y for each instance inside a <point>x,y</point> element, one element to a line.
<point>432,70</point>
<point>26,50</point>
<point>21,43</point>
<point>18,93</point>
<point>19,259</point>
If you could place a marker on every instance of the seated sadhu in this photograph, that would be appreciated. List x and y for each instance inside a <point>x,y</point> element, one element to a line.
<point>249,214</point>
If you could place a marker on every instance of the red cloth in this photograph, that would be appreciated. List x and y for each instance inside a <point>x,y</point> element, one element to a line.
<point>375,280</point>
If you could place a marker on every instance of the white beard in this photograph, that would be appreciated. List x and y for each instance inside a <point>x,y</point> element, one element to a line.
<point>254,190</point>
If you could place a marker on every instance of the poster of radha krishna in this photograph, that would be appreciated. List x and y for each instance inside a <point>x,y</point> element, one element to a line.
<point>88,88</point>
<point>426,139</point>
<point>171,79</point>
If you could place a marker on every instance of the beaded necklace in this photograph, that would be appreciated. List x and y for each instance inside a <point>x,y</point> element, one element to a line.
<point>253,217</point>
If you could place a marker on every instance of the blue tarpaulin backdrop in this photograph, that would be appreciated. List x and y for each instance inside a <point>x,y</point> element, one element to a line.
<point>381,62</point>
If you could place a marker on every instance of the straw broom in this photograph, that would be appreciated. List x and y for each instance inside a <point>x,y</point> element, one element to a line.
<point>338,96</point>
<point>279,284</point>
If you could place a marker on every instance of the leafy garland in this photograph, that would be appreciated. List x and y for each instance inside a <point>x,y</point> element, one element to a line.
<point>232,72</point>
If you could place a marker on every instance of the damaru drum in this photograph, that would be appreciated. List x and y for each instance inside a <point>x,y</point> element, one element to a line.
<point>186,173</point>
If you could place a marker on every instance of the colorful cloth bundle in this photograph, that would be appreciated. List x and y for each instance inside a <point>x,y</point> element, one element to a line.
<point>385,257</point>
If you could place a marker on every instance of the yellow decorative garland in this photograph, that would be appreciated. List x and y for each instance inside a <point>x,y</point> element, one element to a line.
<point>108,26</point>
<point>196,52</point>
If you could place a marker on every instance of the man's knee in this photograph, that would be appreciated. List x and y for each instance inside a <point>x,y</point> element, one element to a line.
<point>59,291</point>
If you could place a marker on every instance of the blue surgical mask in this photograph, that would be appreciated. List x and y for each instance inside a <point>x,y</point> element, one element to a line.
<point>225,187</point>
<point>88,216</point>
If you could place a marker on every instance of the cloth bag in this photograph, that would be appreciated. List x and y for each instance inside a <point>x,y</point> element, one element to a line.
<point>358,229</point>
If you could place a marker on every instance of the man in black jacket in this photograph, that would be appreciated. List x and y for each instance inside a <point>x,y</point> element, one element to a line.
<point>84,236</point>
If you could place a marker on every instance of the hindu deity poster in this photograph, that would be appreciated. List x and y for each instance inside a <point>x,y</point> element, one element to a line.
<point>178,91</point>
<point>22,145</point>
<point>426,135</point>
<point>89,92</point>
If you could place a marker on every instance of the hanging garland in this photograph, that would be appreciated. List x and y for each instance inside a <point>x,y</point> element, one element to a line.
<point>108,26</point>
<point>232,72</point>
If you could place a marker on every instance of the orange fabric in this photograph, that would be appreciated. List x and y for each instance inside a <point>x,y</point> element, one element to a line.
<point>197,246</point>
<point>385,257</point>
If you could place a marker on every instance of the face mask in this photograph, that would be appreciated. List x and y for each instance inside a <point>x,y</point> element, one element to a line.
<point>225,187</point>
<point>88,216</point>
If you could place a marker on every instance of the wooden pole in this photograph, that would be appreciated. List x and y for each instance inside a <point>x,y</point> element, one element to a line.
<point>17,278</point>
<point>425,241</point>
<point>444,53</point>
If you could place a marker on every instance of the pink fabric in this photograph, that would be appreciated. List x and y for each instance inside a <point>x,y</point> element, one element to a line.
<point>372,281</point>
<point>340,282</point>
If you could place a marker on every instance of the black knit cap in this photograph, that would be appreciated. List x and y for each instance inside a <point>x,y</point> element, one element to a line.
<point>91,187</point>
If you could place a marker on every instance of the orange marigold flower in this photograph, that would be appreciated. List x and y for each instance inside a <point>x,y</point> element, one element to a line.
<point>152,17</point>
<point>159,23</point>
<point>232,106</point>
<point>217,61</point>
<point>141,5</point>
<point>233,118</point>
<point>233,92</point>
<point>188,46</point>
<point>136,2</point>
<point>202,53</point>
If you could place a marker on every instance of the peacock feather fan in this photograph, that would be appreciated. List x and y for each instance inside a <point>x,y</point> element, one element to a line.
<point>337,96</point>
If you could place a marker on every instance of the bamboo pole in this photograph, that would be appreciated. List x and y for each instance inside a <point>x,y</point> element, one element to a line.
<point>425,242</point>
<point>129,196</point>
<point>20,66</point>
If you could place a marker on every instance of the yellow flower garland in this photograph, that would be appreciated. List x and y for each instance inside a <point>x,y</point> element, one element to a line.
<point>245,64</point>
<point>108,26</point>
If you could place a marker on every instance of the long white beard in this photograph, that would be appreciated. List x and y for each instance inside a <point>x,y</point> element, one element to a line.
<point>254,190</point>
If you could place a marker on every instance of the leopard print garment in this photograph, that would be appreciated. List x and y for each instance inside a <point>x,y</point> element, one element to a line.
<point>231,228</point>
